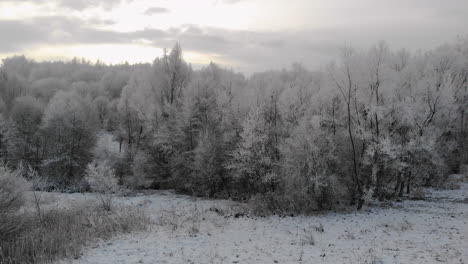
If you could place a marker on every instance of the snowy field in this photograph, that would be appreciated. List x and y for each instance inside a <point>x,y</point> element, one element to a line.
<point>188,230</point>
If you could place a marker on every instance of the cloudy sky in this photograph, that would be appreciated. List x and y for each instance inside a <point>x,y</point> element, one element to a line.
<point>248,35</point>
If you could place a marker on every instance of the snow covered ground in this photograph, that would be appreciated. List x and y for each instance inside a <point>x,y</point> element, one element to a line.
<point>188,230</point>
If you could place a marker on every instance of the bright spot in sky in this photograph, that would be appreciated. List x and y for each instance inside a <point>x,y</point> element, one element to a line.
<point>108,53</point>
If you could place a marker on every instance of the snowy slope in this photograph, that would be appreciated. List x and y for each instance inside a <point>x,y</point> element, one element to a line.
<point>190,230</point>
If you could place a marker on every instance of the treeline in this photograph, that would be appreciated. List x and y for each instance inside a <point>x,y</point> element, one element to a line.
<point>375,123</point>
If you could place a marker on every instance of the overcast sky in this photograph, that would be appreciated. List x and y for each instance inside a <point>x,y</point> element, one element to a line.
<point>248,35</point>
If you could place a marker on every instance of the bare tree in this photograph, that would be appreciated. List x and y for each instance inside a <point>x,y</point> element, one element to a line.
<point>348,90</point>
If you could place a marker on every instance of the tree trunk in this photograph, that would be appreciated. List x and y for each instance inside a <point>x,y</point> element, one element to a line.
<point>353,147</point>
<point>402,187</point>
<point>398,184</point>
<point>379,180</point>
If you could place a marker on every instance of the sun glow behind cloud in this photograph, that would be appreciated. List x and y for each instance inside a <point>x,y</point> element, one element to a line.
<point>108,53</point>
<point>130,16</point>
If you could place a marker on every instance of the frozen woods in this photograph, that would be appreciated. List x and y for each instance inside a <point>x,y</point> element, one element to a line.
<point>374,125</point>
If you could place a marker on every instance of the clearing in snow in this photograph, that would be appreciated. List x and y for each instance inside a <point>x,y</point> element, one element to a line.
<point>188,230</point>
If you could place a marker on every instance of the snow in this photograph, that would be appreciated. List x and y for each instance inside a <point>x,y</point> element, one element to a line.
<point>189,230</point>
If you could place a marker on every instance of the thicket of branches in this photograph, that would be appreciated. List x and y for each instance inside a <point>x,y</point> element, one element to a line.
<point>375,122</point>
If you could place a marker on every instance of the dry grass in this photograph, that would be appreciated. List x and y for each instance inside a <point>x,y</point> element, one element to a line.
<point>189,220</point>
<point>418,194</point>
<point>63,233</point>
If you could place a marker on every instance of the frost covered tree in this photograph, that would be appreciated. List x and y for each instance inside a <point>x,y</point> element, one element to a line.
<point>172,74</point>
<point>208,131</point>
<point>24,142</point>
<point>253,161</point>
<point>344,79</point>
<point>101,104</point>
<point>309,160</point>
<point>112,83</point>
<point>12,85</point>
<point>44,89</point>
<point>69,129</point>
<point>377,122</point>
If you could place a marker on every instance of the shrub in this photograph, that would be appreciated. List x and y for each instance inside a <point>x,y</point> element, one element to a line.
<point>101,179</point>
<point>12,197</point>
<point>12,188</point>
<point>269,204</point>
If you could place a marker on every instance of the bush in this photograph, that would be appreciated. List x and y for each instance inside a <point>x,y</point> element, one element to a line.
<point>269,204</point>
<point>101,179</point>
<point>305,200</point>
<point>12,188</point>
<point>12,198</point>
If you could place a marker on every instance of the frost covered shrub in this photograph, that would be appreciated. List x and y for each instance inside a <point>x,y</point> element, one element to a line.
<point>12,188</point>
<point>12,197</point>
<point>101,179</point>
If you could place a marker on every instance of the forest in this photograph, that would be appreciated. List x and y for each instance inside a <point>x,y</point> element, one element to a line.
<point>375,123</point>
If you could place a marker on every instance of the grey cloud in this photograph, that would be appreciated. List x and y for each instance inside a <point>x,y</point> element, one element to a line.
<point>243,47</point>
<point>251,50</point>
<point>19,35</point>
<point>274,43</point>
<point>248,50</point>
<point>314,47</point>
<point>156,10</point>
<point>83,4</point>
<point>63,30</point>
<point>98,21</point>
